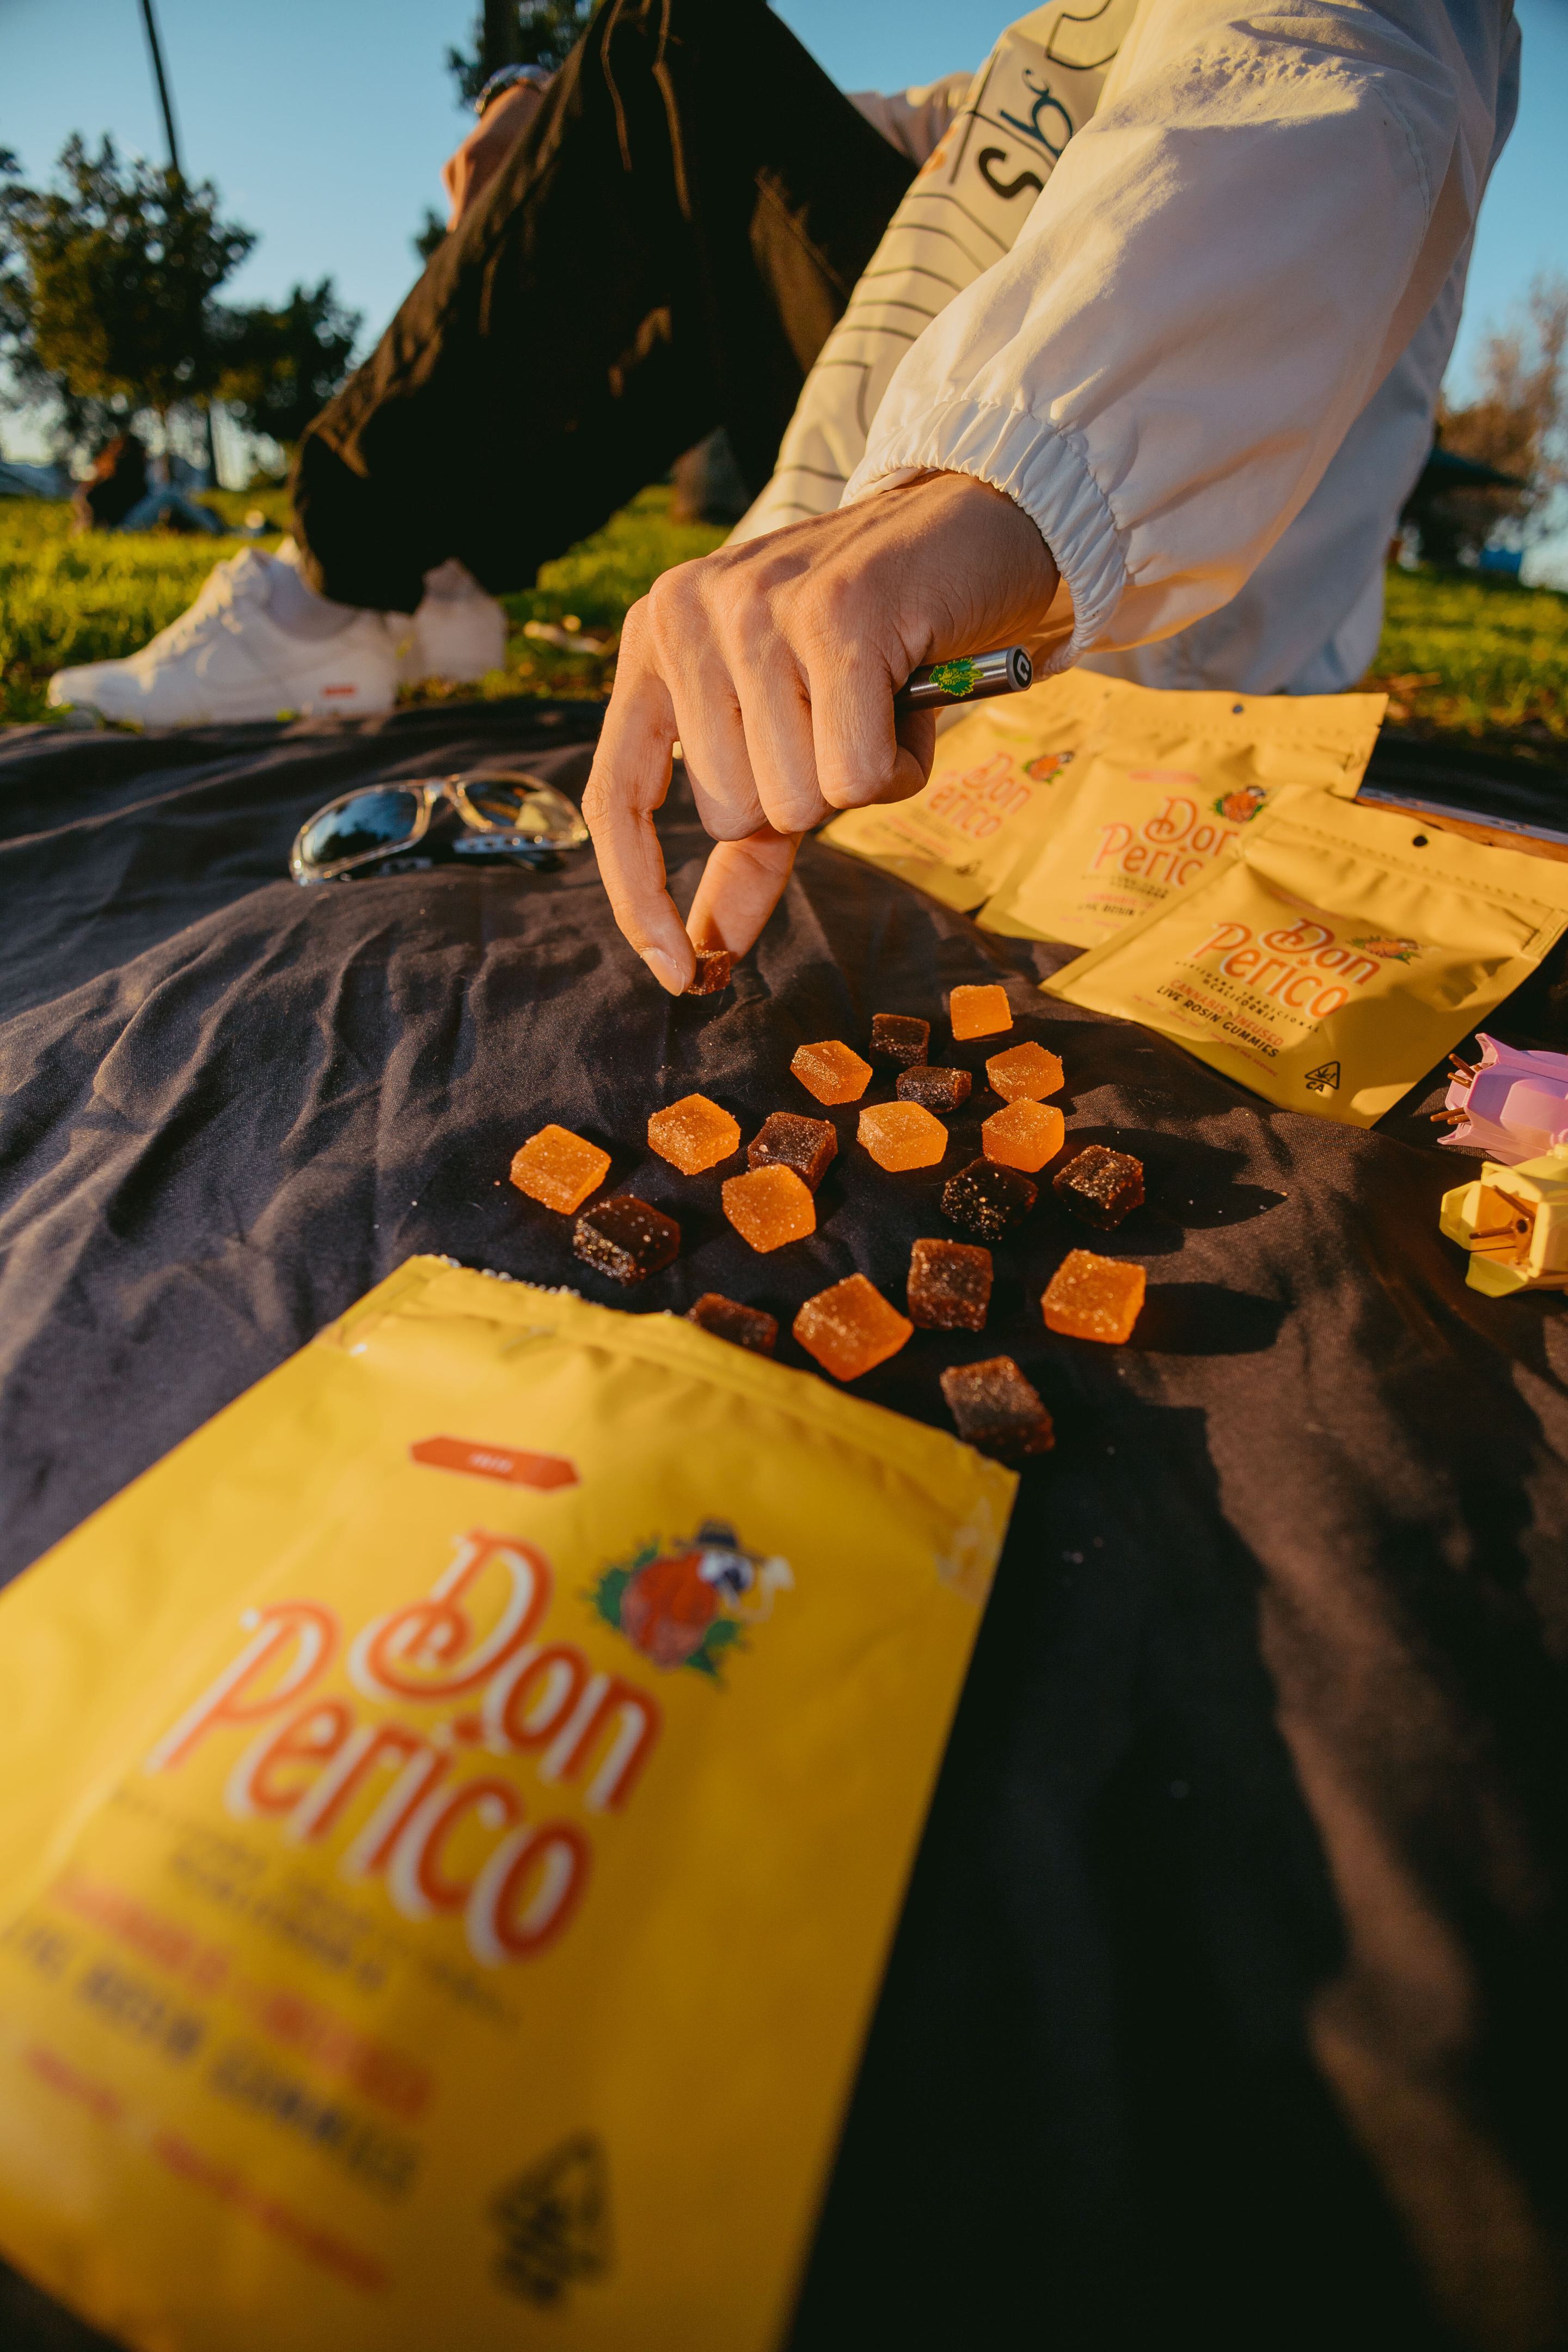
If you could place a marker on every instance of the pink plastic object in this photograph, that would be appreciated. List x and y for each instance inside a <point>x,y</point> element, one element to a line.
<point>1512,1105</point>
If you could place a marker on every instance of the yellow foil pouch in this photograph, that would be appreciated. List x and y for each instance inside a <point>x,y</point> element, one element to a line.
<point>1167,784</point>
<point>1332,955</point>
<point>994,787</point>
<point>457,1809</point>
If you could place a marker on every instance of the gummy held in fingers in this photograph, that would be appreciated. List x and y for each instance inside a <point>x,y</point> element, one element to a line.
<point>559,1169</point>
<point>786,1140</point>
<point>770,1206</point>
<point>831,1071</point>
<point>979,1011</point>
<point>1092,1298</point>
<point>901,1135</point>
<point>627,1238</point>
<point>713,972</point>
<point>693,1134</point>
<point>949,1285</point>
<point>850,1327</point>
<point>726,1319</point>
<point>1026,1135</point>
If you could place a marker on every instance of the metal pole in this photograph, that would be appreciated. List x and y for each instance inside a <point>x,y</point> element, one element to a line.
<point>163,80</point>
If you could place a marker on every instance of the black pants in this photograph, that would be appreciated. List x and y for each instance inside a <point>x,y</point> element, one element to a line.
<point>665,251</point>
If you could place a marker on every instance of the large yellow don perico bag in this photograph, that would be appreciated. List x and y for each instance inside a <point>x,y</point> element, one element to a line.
<point>456,1808</point>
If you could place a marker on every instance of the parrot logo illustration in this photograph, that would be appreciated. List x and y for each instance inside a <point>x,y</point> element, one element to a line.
<point>687,1602</point>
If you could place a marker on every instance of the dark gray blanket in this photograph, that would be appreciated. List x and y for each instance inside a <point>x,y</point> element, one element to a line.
<point>1227,2004</point>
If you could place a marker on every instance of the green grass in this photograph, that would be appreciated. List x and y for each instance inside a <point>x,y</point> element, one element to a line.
<point>1461,655</point>
<point>1468,655</point>
<point>64,601</point>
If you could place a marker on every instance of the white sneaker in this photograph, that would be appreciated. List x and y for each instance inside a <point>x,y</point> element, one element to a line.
<point>457,634</point>
<point>227,658</point>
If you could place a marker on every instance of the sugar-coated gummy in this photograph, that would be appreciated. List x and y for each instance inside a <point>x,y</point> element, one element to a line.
<point>949,1285</point>
<point>726,1319</point>
<point>979,1011</point>
<point>693,1134</point>
<point>985,1199</point>
<point>1026,1072</point>
<point>850,1327</point>
<point>900,1135</point>
<point>559,1170</point>
<point>1101,1186</point>
<point>713,972</point>
<point>768,1206</point>
<point>788,1139</point>
<point>899,1041</point>
<point>998,1409</point>
<point>934,1089</point>
<point>1025,1135</point>
<point>627,1238</point>
<point>1092,1298</point>
<point>831,1071</point>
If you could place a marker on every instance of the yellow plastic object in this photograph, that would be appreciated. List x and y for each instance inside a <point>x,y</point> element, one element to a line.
<point>1332,955</point>
<point>1514,1224</point>
<point>456,1808</point>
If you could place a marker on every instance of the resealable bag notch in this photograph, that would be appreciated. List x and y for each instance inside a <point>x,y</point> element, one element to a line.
<point>1332,955</point>
<point>457,1808</point>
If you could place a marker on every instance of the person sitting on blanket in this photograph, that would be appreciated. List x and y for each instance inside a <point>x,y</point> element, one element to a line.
<point>1126,348</point>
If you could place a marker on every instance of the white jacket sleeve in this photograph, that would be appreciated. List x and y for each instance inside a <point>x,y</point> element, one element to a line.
<point>913,120</point>
<point>1222,268</point>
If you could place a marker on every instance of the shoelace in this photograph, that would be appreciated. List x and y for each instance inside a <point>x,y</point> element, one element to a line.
<point>239,581</point>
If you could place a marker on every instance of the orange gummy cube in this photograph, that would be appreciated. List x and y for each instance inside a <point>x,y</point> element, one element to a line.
<point>1025,1073</point>
<point>850,1327</point>
<point>831,1071</point>
<point>901,1135</point>
<point>1092,1298</point>
<point>980,1012</point>
<point>559,1169</point>
<point>770,1206</point>
<point>1026,1135</point>
<point>693,1134</point>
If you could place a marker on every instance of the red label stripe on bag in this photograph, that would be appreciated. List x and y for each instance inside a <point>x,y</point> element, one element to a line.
<point>507,1462</point>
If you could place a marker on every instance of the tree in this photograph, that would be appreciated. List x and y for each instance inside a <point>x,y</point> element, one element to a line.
<point>1518,424</point>
<point>111,292</point>
<point>518,33</point>
<point>279,367</point>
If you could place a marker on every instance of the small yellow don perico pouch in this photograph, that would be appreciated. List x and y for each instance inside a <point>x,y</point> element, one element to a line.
<point>992,791</point>
<point>1169,781</point>
<point>1332,955</point>
<point>457,1809</point>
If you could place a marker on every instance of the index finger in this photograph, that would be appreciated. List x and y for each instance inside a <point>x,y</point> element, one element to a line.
<point>629,779</point>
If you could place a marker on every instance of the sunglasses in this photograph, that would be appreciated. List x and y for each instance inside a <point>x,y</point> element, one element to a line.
<point>405,828</point>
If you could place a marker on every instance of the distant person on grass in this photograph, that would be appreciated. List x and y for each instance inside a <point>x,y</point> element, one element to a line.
<point>1149,399</point>
<point>119,495</point>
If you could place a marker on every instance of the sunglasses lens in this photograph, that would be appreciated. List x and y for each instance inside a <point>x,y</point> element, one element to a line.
<point>517,804</point>
<point>369,821</point>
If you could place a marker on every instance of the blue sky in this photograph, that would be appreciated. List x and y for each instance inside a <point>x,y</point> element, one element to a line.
<point>324,123</point>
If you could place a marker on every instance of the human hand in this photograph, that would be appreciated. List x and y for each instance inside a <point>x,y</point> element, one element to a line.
<point>487,147</point>
<point>775,665</point>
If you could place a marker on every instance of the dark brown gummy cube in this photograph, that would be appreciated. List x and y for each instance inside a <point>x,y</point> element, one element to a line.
<point>987,1198</point>
<point>746,1327</point>
<point>1101,1187</point>
<point>998,1409</point>
<point>625,1238</point>
<point>934,1089</point>
<point>898,1040</point>
<point>950,1286</point>
<point>713,972</point>
<point>784,1140</point>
